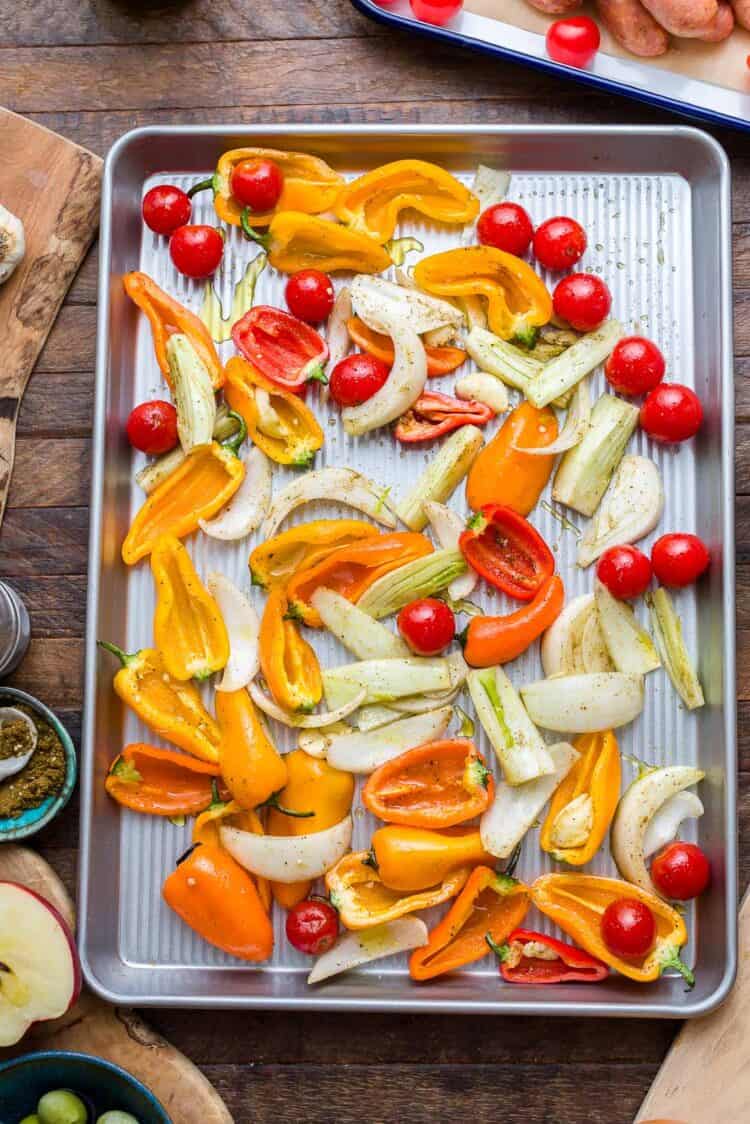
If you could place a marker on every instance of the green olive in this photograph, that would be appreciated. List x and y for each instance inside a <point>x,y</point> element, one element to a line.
<point>61,1107</point>
<point>116,1117</point>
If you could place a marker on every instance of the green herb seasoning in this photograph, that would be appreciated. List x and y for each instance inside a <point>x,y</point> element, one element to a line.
<point>44,775</point>
<point>15,739</point>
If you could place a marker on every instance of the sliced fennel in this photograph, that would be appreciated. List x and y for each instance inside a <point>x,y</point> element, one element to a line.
<point>516,741</point>
<point>340,485</point>
<point>502,359</point>
<point>584,704</point>
<point>383,680</point>
<point>585,471</point>
<point>337,336</point>
<point>316,742</point>
<point>365,637</point>
<point>475,315</point>
<point>666,822</point>
<point>594,651</point>
<point>630,510</point>
<point>351,950</point>
<point>517,807</point>
<point>422,577</point>
<point>630,647</point>
<point>448,527</point>
<point>484,388</point>
<point>245,510</point>
<point>562,642</point>
<point>379,302</point>
<point>193,391</point>
<point>243,627</point>
<point>359,752</point>
<point>406,379</point>
<point>448,467</point>
<point>375,715</point>
<point>211,314</point>
<point>577,361</point>
<point>490,185</point>
<point>398,248</point>
<point>669,640</point>
<point>576,425</point>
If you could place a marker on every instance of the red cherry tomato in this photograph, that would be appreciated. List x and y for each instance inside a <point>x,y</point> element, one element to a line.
<point>436,11</point>
<point>165,208</point>
<point>679,559</point>
<point>257,184</point>
<point>574,41</point>
<point>625,570</point>
<point>628,928</point>
<point>427,626</point>
<point>152,427</point>
<point>312,926</point>
<point>559,243</point>
<point>681,871</point>
<point>309,295</point>
<point>635,366</point>
<point>583,300</point>
<point>506,226</point>
<point>357,378</point>
<point>196,250</point>
<point>671,413</point>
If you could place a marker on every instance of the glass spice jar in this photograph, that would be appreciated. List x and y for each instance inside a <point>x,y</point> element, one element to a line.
<point>14,629</point>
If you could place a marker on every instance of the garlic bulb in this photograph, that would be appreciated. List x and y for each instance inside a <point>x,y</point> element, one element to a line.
<point>12,243</point>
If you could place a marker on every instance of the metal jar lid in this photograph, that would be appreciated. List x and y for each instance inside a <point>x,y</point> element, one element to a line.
<point>14,629</point>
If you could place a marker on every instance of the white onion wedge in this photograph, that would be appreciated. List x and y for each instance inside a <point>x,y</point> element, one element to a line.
<point>379,302</point>
<point>288,858</point>
<point>557,648</point>
<point>316,742</point>
<point>577,422</point>
<point>516,807</point>
<point>584,704</point>
<point>363,753</point>
<point>629,645</point>
<point>248,505</point>
<point>338,485</point>
<point>630,509</point>
<point>666,822</point>
<point>448,527</point>
<point>594,651</point>
<point>374,715</point>
<point>420,704</point>
<point>354,949</point>
<point>338,332</point>
<point>365,637</point>
<point>305,721</point>
<point>406,379</point>
<point>242,625</point>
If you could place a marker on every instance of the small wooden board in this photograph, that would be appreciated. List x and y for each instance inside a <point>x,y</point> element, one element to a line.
<point>91,1027</point>
<point>52,185</point>
<point>705,1077</point>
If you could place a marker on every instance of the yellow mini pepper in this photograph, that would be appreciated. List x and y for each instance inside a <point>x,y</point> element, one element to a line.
<point>274,561</point>
<point>296,241</point>
<point>189,630</point>
<point>206,830</point>
<point>586,799</point>
<point>357,892</point>
<point>169,707</point>
<point>373,202</point>
<point>517,301</point>
<point>251,766</point>
<point>414,858</point>
<point>289,665</point>
<point>285,429</point>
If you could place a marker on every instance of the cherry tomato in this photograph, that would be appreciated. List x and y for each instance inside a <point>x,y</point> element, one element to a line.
<point>681,871</point>
<point>312,926</point>
<point>196,250</point>
<point>635,366</point>
<point>436,11</point>
<point>574,41</point>
<point>257,184</point>
<point>559,243</point>
<point>625,570</point>
<point>628,928</point>
<point>309,295</point>
<point>679,559</point>
<point>152,427</point>
<point>165,208</point>
<point>357,378</point>
<point>506,226</point>
<point>671,413</point>
<point>583,300</point>
<point>427,626</point>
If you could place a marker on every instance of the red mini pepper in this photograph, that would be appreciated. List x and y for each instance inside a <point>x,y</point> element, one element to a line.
<point>569,964</point>
<point>507,551</point>
<point>283,348</point>
<point>434,414</point>
<point>488,641</point>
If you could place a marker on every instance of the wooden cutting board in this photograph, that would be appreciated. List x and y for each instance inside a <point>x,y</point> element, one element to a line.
<point>705,1077</point>
<point>92,1027</point>
<point>52,185</point>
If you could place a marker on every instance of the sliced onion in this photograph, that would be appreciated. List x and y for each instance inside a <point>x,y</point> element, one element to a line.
<point>448,527</point>
<point>243,626</point>
<point>338,334</point>
<point>354,949</point>
<point>584,704</point>
<point>288,858</point>
<point>364,752</point>
<point>516,807</point>
<point>248,505</point>
<point>576,425</point>
<point>304,721</point>
<point>556,649</point>
<point>406,379</point>
<point>379,303</point>
<point>365,637</point>
<point>420,704</point>
<point>316,742</point>
<point>339,485</point>
<point>631,508</point>
<point>665,823</point>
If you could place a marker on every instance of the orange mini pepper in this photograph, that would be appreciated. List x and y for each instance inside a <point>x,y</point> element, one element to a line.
<point>293,436</point>
<point>289,665</point>
<point>220,901</point>
<point>206,830</point>
<point>160,782</point>
<point>489,908</point>
<point>296,241</point>
<point>488,641</point>
<point>415,858</point>
<point>189,629</point>
<point>439,784</point>
<point>440,360</point>
<point>500,474</point>
<point>595,780</point>
<point>252,768</point>
<point>167,317</point>
<point>274,561</point>
<point>353,569</point>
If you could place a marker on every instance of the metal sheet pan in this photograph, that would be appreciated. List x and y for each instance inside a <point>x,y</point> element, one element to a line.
<point>656,204</point>
<point>650,80</point>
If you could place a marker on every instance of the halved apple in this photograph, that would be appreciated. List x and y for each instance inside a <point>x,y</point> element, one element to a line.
<point>40,973</point>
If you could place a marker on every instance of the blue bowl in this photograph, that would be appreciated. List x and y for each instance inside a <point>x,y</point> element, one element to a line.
<point>24,1080</point>
<point>34,819</point>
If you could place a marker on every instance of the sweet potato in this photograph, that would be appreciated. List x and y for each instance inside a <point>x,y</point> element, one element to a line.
<point>742,12</point>
<point>682,17</point>
<point>633,27</point>
<point>556,7</point>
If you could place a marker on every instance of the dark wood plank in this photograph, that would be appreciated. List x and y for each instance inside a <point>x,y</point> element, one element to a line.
<point>44,541</point>
<point>57,405</point>
<point>53,670</point>
<point>52,473</point>
<point>56,603</point>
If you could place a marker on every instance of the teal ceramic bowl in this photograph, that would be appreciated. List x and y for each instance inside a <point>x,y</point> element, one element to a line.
<point>101,1085</point>
<point>34,819</point>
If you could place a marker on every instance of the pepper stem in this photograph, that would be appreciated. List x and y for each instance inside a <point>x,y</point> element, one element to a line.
<point>463,636</point>
<point>273,802</point>
<point>370,860</point>
<point>233,443</point>
<point>203,185</point>
<point>317,374</point>
<point>671,959</point>
<point>500,950</point>
<point>263,240</point>
<point>125,658</point>
<point>513,861</point>
<point>187,854</point>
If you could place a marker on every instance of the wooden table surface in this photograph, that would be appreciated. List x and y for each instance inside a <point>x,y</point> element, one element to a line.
<point>91,71</point>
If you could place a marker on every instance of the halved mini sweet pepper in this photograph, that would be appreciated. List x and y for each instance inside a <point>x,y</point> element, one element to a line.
<point>517,300</point>
<point>414,858</point>
<point>507,551</point>
<point>277,421</point>
<point>205,480</point>
<point>528,957</point>
<point>488,908</point>
<point>357,892</point>
<point>189,630</point>
<point>161,782</point>
<point>296,241</point>
<point>503,474</point>
<point>576,902</point>
<point>289,665</point>
<point>168,317</point>
<point>281,347</point>
<point>252,768</point>
<point>373,202</point>
<point>439,784</point>
<point>584,804</point>
<point>312,785</point>
<point>274,561</point>
<point>440,360</point>
<point>434,414</point>
<point>169,707</point>
<point>488,641</point>
<point>207,830</point>
<point>353,569</point>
